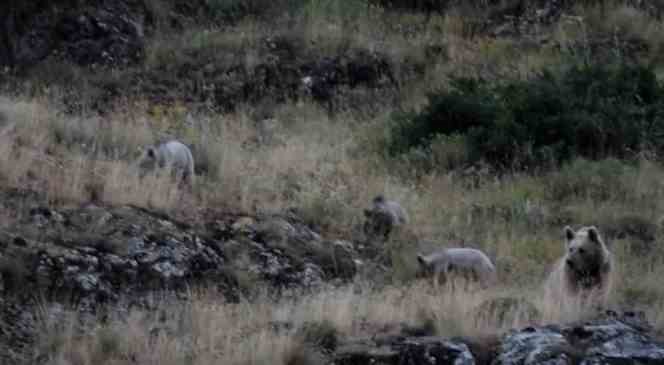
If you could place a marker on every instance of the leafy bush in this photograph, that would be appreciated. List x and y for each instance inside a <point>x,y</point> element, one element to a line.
<point>591,111</point>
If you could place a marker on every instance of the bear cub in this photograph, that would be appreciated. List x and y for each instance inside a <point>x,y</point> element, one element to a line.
<point>469,263</point>
<point>172,155</point>
<point>383,217</point>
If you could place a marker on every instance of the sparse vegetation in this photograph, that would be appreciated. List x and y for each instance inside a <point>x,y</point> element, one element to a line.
<point>476,143</point>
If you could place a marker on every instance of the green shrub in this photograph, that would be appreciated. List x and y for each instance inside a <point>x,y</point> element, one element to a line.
<point>590,111</point>
<point>468,105</point>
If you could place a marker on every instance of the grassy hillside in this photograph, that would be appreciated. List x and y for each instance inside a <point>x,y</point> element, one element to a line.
<point>72,133</point>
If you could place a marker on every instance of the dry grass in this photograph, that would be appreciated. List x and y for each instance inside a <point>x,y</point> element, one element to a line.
<point>622,20</point>
<point>614,27</point>
<point>203,331</point>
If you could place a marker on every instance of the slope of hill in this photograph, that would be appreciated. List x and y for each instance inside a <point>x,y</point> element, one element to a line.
<point>298,113</point>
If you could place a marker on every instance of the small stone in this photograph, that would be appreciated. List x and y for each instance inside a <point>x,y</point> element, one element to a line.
<point>87,282</point>
<point>243,224</point>
<point>167,270</point>
<point>135,245</point>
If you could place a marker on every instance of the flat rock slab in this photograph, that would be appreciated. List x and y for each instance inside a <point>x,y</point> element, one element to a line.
<point>409,350</point>
<point>612,340</point>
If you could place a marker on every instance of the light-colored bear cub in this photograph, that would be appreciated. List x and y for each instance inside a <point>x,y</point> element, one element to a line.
<point>383,216</point>
<point>586,267</point>
<point>469,263</point>
<point>172,155</point>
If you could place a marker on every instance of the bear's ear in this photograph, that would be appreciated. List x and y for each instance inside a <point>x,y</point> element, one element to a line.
<point>593,234</point>
<point>569,233</point>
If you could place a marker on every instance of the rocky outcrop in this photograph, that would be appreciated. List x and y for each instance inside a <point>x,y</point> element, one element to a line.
<point>93,254</point>
<point>608,339</point>
<point>86,32</point>
<point>128,256</point>
<point>96,257</point>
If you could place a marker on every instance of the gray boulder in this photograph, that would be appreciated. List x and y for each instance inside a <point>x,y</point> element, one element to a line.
<point>609,340</point>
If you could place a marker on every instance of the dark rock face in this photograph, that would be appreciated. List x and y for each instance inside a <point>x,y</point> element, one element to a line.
<point>100,37</point>
<point>88,32</point>
<point>94,255</point>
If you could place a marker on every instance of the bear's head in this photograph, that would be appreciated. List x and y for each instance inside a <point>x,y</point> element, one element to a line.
<point>377,224</point>
<point>586,251</point>
<point>424,267</point>
<point>379,199</point>
<point>148,159</point>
